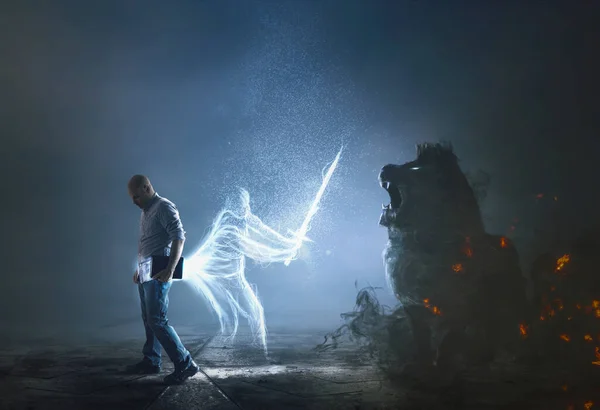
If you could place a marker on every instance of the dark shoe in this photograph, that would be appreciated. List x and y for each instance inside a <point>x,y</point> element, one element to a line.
<point>180,376</point>
<point>143,367</point>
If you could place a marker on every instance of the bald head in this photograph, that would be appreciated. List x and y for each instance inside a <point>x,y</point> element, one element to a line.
<point>138,180</point>
<point>140,190</point>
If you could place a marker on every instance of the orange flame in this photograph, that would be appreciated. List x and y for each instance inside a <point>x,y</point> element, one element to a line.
<point>588,338</point>
<point>588,405</point>
<point>596,304</point>
<point>457,267</point>
<point>561,262</point>
<point>566,338</point>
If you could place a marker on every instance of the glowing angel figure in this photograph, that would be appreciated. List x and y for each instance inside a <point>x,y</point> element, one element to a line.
<point>217,269</point>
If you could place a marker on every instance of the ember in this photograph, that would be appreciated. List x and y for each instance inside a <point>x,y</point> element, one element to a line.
<point>596,306</point>
<point>566,338</point>
<point>523,328</point>
<point>503,243</point>
<point>434,309</point>
<point>457,267</point>
<point>597,361</point>
<point>559,304</point>
<point>588,405</point>
<point>467,249</point>
<point>588,338</point>
<point>561,262</point>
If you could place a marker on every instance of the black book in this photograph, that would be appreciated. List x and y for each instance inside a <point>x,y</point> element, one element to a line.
<point>161,262</point>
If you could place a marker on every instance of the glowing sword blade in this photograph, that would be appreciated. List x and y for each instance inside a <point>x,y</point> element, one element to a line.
<point>301,233</point>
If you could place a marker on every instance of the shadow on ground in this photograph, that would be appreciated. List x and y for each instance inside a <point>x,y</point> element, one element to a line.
<point>49,375</point>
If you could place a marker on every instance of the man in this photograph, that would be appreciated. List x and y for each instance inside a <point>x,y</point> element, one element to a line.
<point>161,234</point>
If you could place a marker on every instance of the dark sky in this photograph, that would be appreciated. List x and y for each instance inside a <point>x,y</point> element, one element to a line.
<point>209,96</point>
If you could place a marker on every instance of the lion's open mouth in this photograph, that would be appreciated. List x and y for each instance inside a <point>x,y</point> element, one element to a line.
<point>394,193</point>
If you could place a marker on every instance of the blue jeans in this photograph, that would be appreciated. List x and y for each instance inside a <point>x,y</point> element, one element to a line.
<point>154,298</point>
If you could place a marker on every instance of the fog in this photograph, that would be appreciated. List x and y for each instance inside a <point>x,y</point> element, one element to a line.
<point>207,97</point>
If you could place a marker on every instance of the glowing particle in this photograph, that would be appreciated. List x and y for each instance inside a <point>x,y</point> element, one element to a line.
<point>564,387</point>
<point>503,243</point>
<point>559,304</point>
<point>588,338</point>
<point>457,267</point>
<point>523,329</point>
<point>597,361</point>
<point>566,338</point>
<point>588,405</point>
<point>561,262</point>
<point>434,309</point>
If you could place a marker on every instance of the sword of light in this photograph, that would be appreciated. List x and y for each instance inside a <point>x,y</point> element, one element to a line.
<point>300,234</point>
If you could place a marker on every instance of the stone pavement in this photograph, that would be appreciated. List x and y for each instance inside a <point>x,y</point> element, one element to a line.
<point>237,376</point>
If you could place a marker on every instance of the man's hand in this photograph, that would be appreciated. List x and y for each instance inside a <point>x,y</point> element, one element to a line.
<point>164,275</point>
<point>136,277</point>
